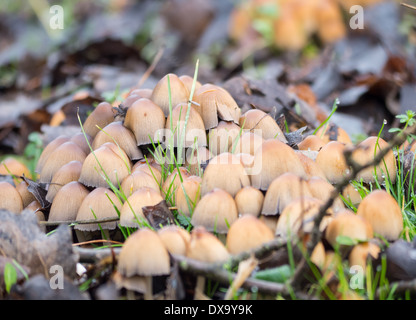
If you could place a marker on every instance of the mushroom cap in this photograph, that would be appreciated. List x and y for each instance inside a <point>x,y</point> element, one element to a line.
<point>146,120</point>
<point>137,180</point>
<point>178,91</point>
<point>282,191</point>
<point>246,233</point>
<point>116,133</point>
<point>188,81</point>
<point>321,189</point>
<point>226,172</point>
<point>102,115</point>
<point>83,141</point>
<point>332,132</point>
<point>47,151</point>
<point>62,155</point>
<point>175,239</point>
<point>67,201</point>
<point>248,142</point>
<point>346,223</point>
<point>106,160</point>
<point>143,254</point>
<point>359,254</point>
<point>194,130</point>
<point>312,142</point>
<point>216,102</point>
<point>27,196</point>
<point>143,197</point>
<point>214,211</point>
<point>366,151</point>
<point>299,215</point>
<point>101,201</point>
<point>351,193</point>
<point>249,201</point>
<point>191,188</point>
<point>173,183</point>
<point>332,161</point>
<point>273,159</point>
<point>195,157</point>
<point>142,92</point>
<point>14,166</point>
<point>10,198</point>
<point>247,160</point>
<point>310,166</point>
<point>67,173</point>
<point>222,136</point>
<point>152,170</point>
<point>262,124</point>
<point>382,211</point>
<point>206,247</point>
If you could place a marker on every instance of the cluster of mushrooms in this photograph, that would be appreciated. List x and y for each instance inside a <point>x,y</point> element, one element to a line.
<point>240,184</point>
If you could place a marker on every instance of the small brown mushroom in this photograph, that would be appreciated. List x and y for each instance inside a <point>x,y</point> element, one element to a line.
<point>10,198</point>
<point>249,201</point>
<point>215,211</point>
<point>102,115</point>
<point>67,173</point>
<point>382,211</point>
<point>262,124</point>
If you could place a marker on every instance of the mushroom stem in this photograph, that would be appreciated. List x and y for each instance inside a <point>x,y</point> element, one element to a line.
<point>148,295</point>
<point>200,288</point>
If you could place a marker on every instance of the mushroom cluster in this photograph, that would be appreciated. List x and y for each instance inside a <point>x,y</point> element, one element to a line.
<point>239,184</point>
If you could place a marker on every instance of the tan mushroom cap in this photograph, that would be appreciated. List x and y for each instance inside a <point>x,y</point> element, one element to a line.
<point>262,124</point>
<point>101,201</point>
<point>62,155</point>
<point>188,82</point>
<point>142,92</point>
<point>146,120</point>
<point>311,142</point>
<point>298,216</point>
<point>309,166</point>
<point>382,211</point>
<point>195,157</point>
<point>27,196</point>
<point>143,197</point>
<point>67,202</point>
<point>82,141</point>
<point>194,131</point>
<point>10,198</point>
<point>160,95</point>
<point>321,189</point>
<point>361,252</point>
<point>137,180</point>
<point>118,134</point>
<point>49,148</point>
<point>204,246</point>
<point>216,102</point>
<point>249,201</point>
<point>246,233</point>
<point>365,153</point>
<point>222,136</point>
<point>173,183</point>
<point>273,159</point>
<point>332,132</point>
<point>347,224</point>
<point>190,190</point>
<point>102,115</point>
<point>248,142</point>
<point>143,254</point>
<point>350,193</point>
<point>226,172</point>
<point>108,160</point>
<point>214,211</point>
<point>247,160</point>
<point>282,191</point>
<point>175,239</point>
<point>152,170</point>
<point>332,162</point>
<point>67,173</point>
<point>12,166</point>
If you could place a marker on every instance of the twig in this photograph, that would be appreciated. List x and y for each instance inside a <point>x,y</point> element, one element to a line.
<point>316,234</point>
<point>408,6</point>
<point>95,241</point>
